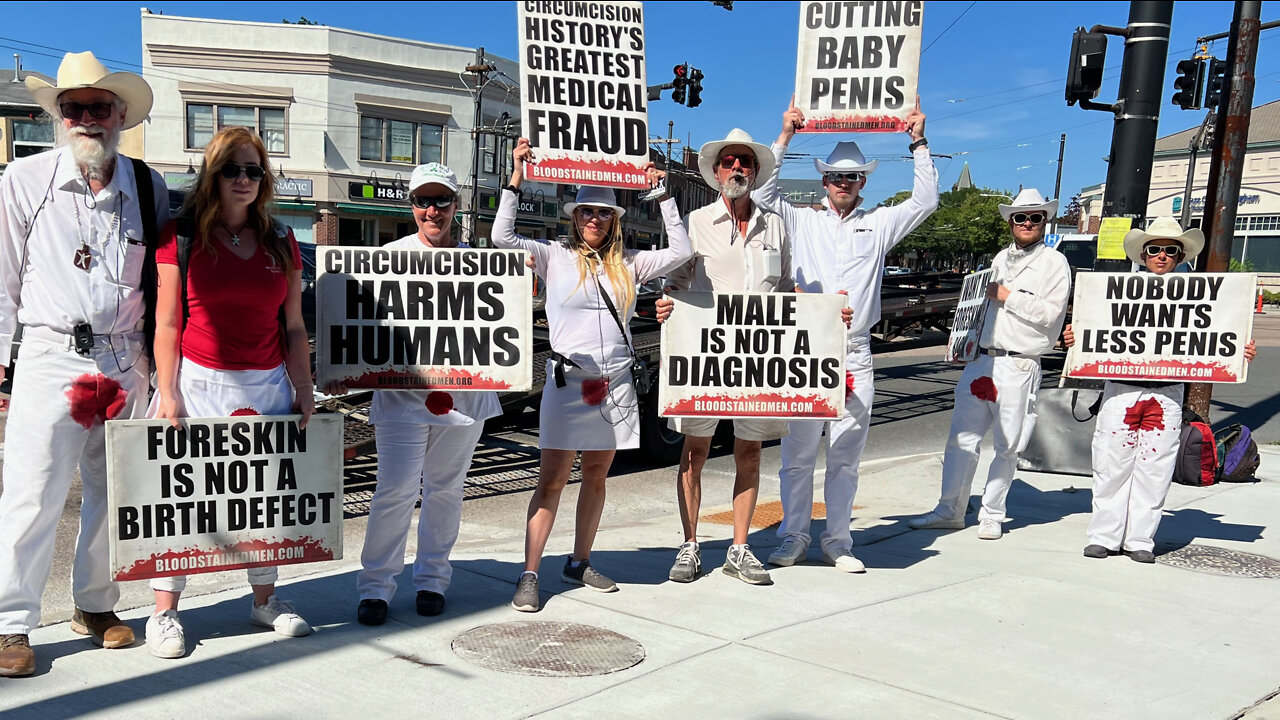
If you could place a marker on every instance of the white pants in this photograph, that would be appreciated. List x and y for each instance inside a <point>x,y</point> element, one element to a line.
<point>846,439</point>
<point>1135,446</point>
<point>414,458</point>
<point>56,415</point>
<point>1013,382</point>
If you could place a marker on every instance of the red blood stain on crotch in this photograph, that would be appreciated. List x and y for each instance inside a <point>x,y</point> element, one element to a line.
<point>1145,415</point>
<point>244,411</point>
<point>848,384</point>
<point>439,403</point>
<point>983,389</point>
<point>95,399</point>
<point>594,390</point>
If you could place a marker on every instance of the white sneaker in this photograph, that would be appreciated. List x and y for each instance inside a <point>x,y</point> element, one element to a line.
<point>935,520</point>
<point>165,638</point>
<point>843,560</point>
<point>278,615</point>
<point>792,550</point>
<point>989,529</point>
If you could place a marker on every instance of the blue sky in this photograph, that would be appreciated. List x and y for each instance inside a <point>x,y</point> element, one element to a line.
<point>991,78</point>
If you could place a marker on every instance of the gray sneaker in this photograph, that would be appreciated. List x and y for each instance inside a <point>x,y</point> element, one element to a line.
<point>740,563</point>
<point>688,563</point>
<point>526,598</point>
<point>587,576</point>
<point>792,550</point>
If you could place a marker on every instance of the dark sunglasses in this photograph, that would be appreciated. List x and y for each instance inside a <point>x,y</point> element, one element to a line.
<point>1020,218</point>
<point>97,110</point>
<point>849,177</point>
<point>422,202</point>
<point>586,212</point>
<point>1169,250</point>
<point>232,171</point>
<point>747,162</point>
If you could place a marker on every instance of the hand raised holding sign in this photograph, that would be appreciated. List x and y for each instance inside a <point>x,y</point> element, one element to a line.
<point>915,122</point>
<point>521,154</point>
<point>792,120</point>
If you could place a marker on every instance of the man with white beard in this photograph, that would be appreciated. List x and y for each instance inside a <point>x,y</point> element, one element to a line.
<point>77,227</point>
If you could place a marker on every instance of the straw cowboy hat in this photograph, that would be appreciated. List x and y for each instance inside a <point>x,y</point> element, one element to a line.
<point>845,158</point>
<point>1028,201</point>
<point>82,70</point>
<point>1165,228</point>
<point>709,155</point>
<point>596,197</point>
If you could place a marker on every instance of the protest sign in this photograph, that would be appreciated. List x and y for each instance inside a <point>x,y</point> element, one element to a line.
<point>403,319</point>
<point>753,355</point>
<point>1111,237</point>
<point>585,105</point>
<point>858,65</point>
<point>966,331</point>
<point>223,493</point>
<point>1175,327</point>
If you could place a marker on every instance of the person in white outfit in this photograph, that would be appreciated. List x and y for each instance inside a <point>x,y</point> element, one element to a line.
<point>840,250</point>
<point>1026,305</point>
<point>425,440</point>
<point>74,233</point>
<point>589,402</point>
<point>1136,437</point>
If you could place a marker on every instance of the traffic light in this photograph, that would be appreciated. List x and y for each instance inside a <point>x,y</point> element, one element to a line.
<point>680,82</point>
<point>1084,67</point>
<point>1189,83</point>
<point>1215,82</point>
<point>695,88</point>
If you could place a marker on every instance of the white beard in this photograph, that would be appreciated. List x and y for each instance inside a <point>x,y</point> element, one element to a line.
<point>93,147</point>
<point>735,186</point>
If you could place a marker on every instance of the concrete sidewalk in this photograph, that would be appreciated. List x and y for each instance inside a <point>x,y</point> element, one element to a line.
<point>942,625</point>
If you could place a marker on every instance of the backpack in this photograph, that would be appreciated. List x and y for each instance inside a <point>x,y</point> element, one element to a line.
<point>1197,461</point>
<point>151,237</point>
<point>1239,454</point>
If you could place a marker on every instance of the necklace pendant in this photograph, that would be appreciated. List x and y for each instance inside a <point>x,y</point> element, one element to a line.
<point>235,240</point>
<point>83,257</point>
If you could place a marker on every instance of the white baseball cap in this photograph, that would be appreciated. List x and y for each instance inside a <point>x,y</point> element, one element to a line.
<point>433,173</point>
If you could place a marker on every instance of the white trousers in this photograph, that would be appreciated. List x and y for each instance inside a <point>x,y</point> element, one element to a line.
<point>56,415</point>
<point>413,459</point>
<point>991,392</point>
<point>1135,446</point>
<point>846,439</point>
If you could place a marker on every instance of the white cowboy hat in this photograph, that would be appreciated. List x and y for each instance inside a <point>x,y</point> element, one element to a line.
<point>845,158</point>
<point>597,197</point>
<point>82,70</point>
<point>709,156</point>
<point>1165,228</point>
<point>1029,200</point>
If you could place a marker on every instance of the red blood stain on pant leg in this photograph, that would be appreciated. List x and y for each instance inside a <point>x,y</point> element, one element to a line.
<point>594,390</point>
<point>983,389</point>
<point>848,385</point>
<point>439,403</point>
<point>241,412</point>
<point>1145,415</point>
<point>95,399</point>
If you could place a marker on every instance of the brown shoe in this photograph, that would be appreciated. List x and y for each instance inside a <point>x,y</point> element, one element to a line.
<point>16,656</point>
<point>104,628</point>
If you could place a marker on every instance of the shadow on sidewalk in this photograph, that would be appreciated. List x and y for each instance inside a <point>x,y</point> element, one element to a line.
<point>1180,528</point>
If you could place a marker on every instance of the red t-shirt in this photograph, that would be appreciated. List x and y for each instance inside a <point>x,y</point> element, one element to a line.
<point>234,305</point>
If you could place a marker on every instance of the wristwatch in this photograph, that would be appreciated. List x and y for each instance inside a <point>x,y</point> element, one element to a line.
<point>922,141</point>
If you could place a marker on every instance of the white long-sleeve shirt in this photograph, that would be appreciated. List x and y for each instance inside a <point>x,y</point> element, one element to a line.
<point>582,328</point>
<point>833,253</point>
<point>725,261</point>
<point>1030,320</point>
<point>40,284</point>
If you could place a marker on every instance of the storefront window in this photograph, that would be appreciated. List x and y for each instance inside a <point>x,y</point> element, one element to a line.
<point>31,137</point>
<point>400,148</point>
<point>400,141</point>
<point>268,122</point>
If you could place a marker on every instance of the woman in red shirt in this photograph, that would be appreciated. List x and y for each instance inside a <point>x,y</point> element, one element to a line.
<point>221,352</point>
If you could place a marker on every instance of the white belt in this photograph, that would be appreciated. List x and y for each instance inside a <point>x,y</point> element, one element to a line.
<point>59,337</point>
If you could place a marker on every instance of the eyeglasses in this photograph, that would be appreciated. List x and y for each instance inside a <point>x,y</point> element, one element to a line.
<point>1033,218</point>
<point>748,162</point>
<point>440,202</point>
<point>586,212</point>
<point>232,171</point>
<point>97,110</point>
<point>1169,250</point>
<point>852,178</point>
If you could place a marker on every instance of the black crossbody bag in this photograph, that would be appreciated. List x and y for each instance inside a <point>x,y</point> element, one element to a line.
<point>639,368</point>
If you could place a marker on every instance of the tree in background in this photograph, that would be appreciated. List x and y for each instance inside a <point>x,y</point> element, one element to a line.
<point>962,233</point>
<point>1069,220</point>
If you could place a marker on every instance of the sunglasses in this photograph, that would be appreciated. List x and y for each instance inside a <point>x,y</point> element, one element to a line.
<point>1033,218</point>
<point>440,202</point>
<point>97,110</point>
<point>232,171</point>
<point>586,212</point>
<point>748,162</point>
<point>849,177</point>
<point>1169,250</point>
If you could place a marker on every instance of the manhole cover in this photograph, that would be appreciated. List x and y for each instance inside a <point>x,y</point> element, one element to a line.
<point>548,649</point>
<point>1220,561</point>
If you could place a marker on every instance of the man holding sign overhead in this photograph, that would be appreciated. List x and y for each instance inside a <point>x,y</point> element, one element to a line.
<point>840,250</point>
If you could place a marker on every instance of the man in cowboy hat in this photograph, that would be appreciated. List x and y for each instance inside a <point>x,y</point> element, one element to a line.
<point>1026,305</point>
<point>736,248</point>
<point>840,249</point>
<point>75,227</point>
<point>1128,493</point>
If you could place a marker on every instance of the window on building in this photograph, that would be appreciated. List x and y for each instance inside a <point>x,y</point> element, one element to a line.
<point>268,122</point>
<point>31,137</point>
<point>400,141</point>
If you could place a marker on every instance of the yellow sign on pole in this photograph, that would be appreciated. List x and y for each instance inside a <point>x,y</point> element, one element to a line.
<point>1111,237</point>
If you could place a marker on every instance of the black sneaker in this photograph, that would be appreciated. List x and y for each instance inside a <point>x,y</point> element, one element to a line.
<point>526,598</point>
<point>1143,556</point>
<point>586,575</point>
<point>371,612</point>
<point>430,603</point>
<point>1096,552</point>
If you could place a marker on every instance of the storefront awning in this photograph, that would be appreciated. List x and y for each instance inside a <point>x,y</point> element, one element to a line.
<point>398,212</point>
<point>295,206</point>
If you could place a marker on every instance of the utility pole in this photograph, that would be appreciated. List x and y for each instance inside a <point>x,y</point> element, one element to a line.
<point>481,70</point>
<point>1195,145</point>
<point>1057,185</point>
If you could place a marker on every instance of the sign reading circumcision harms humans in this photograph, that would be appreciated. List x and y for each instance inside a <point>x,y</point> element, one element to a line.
<point>1177,327</point>
<point>966,331</point>
<point>753,355</point>
<point>858,65</point>
<point>585,108</point>
<point>444,319</point>
<point>223,493</point>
